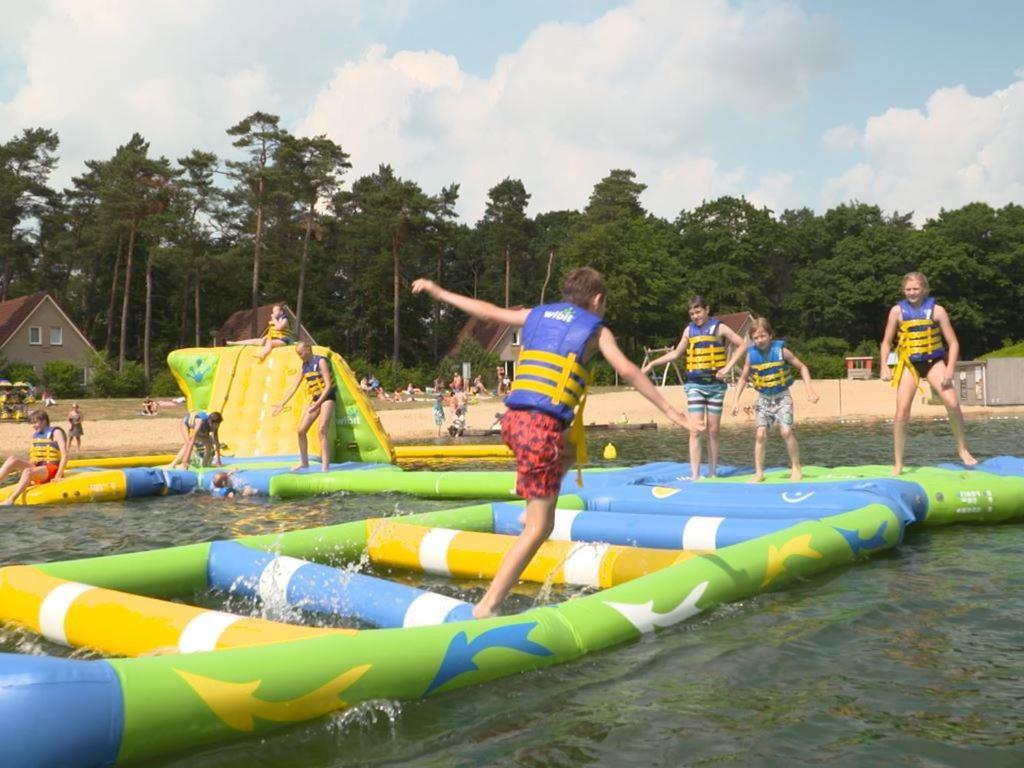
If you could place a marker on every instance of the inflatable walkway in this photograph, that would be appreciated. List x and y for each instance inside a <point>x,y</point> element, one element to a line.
<point>638,552</point>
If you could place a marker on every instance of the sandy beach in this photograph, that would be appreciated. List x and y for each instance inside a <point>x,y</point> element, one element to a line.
<point>841,400</point>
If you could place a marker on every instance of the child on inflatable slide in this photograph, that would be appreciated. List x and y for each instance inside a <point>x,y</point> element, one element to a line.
<point>927,349</point>
<point>278,333</point>
<point>769,367</point>
<point>545,406</point>
<point>47,459</point>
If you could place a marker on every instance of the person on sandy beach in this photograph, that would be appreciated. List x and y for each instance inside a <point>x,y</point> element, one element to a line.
<point>769,368</point>
<point>278,334</point>
<point>316,373</point>
<point>545,406</point>
<point>75,431</point>
<point>47,458</point>
<point>704,343</point>
<point>927,349</point>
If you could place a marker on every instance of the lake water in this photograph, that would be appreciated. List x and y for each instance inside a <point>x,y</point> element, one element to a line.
<point>913,658</point>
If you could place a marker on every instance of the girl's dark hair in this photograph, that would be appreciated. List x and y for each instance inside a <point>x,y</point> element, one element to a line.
<point>696,301</point>
<point>581,285</point>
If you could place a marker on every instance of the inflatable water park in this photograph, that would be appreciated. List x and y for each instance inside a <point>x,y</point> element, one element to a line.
<point>181,648</point>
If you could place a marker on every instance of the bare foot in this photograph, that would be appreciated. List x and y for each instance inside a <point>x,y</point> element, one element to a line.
<point>796,474</point>
<point>297,467</point>
<point>7,503</point>
<point>897,470</point>
<point>757,478</point>
<point>967,458</point>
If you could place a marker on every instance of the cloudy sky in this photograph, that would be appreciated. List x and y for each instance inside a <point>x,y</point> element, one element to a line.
<point>913,105</point>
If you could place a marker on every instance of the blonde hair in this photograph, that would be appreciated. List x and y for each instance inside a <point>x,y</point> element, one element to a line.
<point>919,276</point>
<point>761,324</point>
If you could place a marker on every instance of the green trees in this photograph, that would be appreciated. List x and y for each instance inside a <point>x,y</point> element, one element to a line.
<point>277,223</point>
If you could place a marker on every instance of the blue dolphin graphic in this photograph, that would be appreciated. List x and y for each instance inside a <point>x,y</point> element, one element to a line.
<point>853,538</point>
<point>459,656</point>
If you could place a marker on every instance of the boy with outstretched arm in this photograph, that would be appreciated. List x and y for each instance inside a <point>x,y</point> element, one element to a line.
<point>544,408</point>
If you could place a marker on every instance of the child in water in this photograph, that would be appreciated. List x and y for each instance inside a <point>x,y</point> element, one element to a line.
<point>923,327</point>
<point>545,405</point>
<point>769,368</point>
<point>226,485</point>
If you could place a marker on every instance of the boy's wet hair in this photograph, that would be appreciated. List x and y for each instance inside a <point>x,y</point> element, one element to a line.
<point>220,480</point>
<point>696,301</point>
<point>761,324</point>
<point>581,285</point>
<point>39,416</point>
<point>216,416</point>
<point>919,276</point>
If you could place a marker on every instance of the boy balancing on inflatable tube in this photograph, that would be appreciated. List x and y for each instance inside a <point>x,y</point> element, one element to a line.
<point>769,368</point>
<point>545,406</point>
<point>47,457</point>
<point>316,372</point>
<point>923,326</point>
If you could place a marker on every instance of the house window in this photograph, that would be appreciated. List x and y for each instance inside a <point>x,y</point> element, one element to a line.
<point>35,334</point>
<point>56,336</point>
<point>515,339</point>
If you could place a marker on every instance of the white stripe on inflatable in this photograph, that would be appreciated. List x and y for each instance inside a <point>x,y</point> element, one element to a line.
<point>54,610</point>
<point>429,609</point>
<point>434,551</point>
<point>204,631</point>
<point>275,577</point>
<point>583,564</point>
<point>700,533</point>
<point>563,524</point>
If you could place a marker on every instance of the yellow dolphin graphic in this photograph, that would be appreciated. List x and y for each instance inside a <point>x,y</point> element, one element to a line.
<point>801,545</point>
<point>237,705</point>
<point>661,492</point>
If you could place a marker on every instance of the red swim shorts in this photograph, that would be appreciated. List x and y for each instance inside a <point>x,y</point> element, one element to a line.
<point>51,469</point>
<point>538,442</point>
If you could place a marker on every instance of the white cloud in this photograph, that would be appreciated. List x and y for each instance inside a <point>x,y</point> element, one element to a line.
<point>959,149</point>
<point>178,73</point>
<point>640,87</point>
<point>841,137</point>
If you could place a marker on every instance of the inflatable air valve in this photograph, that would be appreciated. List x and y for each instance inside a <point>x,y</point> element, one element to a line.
<point>610,452</point>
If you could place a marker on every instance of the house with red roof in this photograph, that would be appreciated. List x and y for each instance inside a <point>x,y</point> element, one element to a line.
<point>34,330</point>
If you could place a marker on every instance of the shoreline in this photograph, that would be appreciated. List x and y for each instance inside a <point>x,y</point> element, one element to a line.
<point>841,401</point>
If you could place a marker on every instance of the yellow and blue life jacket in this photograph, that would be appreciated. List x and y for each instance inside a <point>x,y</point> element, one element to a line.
<point>315,383</point>
<point>705,352</point>
<point>550,374</point>
<point>45,449</point>
<point>920,338</point>
<point>274,333</point>
<point>770,374</point>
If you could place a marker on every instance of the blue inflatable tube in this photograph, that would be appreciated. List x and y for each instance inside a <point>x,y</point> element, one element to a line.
<point>239,570</point>
<point>699,533</point>
<point>806,501</point>
<point>58,711</point>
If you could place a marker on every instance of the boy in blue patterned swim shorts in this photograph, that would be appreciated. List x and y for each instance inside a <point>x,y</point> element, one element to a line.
<point>704,343</point>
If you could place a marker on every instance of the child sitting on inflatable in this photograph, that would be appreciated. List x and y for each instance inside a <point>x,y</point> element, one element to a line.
<point>927,349</point>
<point>200,428</point>
<point>48,457</point>
<point>278,334</point>
<point>769,367</point>
<point>545,406</point>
